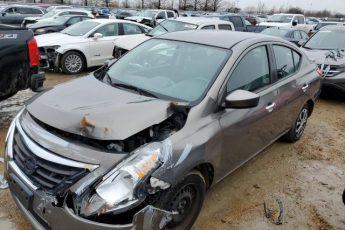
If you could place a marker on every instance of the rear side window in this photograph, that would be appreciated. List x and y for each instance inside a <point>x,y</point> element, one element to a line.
<point>170,14</point>
<point>304,35</point>
<point>300,19</point>
<point>237,21</point>
<point>252,73</point>
<point>131,29</point>
<point>224,27</point>
<point>77,13</point>
<point>287,61</point>
<point>209,27</point>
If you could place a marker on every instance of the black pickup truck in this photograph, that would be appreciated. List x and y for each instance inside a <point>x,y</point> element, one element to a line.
<point>19,61</point>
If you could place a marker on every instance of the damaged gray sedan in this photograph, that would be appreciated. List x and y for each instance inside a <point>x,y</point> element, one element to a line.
<point>137,144</point>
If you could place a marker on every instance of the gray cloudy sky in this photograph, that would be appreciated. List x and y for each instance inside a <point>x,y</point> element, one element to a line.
<point>333,5</point>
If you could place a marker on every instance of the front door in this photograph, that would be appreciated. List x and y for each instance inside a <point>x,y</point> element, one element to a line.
<point>248,131</point>
<point>101,49</point>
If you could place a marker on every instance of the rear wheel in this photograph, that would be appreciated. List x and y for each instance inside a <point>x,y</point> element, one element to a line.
<point>186,198</point>
<point>72,62</point>
<point>296,132</point>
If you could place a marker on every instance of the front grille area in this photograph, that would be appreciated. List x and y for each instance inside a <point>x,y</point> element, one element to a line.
<point>49,176</point>
<point>334,70</point>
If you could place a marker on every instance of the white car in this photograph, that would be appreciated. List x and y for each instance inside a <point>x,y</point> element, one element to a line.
<point>287,20</point>
<point>122,45</point>
<point>55,14</point>
<point>85,44</point>
<point>152,17</point>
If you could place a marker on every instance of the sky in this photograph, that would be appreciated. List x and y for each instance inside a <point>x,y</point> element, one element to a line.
<point>332,5</point>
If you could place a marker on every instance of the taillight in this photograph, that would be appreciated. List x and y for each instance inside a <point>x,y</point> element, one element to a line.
<point>34,55</point>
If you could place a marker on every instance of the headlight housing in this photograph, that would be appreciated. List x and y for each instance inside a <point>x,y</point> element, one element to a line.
<point>120,188</point>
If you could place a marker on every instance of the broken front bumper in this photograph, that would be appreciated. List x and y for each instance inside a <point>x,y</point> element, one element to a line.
<point>42,213</point>
<point>49,58</point>
<point>335,82</point>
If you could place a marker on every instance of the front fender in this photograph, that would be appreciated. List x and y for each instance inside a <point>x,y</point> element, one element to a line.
<point>84,50</point>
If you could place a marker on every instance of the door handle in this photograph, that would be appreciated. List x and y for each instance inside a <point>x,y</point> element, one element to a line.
<point>305,87</point>
<point>270,107</point>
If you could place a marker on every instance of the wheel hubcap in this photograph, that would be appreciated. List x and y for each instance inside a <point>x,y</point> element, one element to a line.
<point>73,63</point>
<point>301,122</point>
<point>182,203</point>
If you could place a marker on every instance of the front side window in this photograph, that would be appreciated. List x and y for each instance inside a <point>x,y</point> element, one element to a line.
<point>252,73</point>
<point>287,61</point>
<point>171,70</point>
<point>73,21</point>
<point>161,15</point>
<point>209,27</point>
<point>170,14</point>
<point>108,30</point>
<point>12,10</point>
<point>300,19</point>
<point>129,28</point>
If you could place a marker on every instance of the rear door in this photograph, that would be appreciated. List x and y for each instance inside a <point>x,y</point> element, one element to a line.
<point>101,49</point>
<point>291,85</point>
<point>248,131</point>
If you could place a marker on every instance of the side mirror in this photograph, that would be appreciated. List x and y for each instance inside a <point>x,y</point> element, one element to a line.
<point>241,99</point>
<point>294,23</point>
<point>97,36</point>
<point>301,43</point>
<point>3,13</point>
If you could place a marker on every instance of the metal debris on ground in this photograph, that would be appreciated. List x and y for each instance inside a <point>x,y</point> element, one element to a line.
<point>274,210</point>
<point>3,182</point>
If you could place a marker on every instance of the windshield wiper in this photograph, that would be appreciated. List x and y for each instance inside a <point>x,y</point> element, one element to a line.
<point>132,87</point>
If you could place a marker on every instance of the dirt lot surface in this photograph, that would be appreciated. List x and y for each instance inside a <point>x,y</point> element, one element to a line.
<point>300,184</point>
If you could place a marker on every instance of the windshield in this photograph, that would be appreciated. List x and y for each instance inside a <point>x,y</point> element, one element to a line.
<point>171,26</point>
<point>275,32</point>
<point>326,40</point>
<point>50,14</point>
<point>148,13</point>
<point>280,18</point>
<point>80,28</point>
<point>169,69</point>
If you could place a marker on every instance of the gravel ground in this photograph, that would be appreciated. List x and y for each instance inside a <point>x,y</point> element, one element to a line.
<point>303,181</point>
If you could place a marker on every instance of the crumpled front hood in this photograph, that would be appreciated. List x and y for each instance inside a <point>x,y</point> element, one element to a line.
<point>111,113</point>
<point>54,39</point>
<point>131,41</point>
<point>319,57</point>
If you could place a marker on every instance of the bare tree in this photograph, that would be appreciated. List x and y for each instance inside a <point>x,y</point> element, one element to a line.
<point>261,7</point>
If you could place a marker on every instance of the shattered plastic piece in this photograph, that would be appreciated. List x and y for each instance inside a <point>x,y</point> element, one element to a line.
<point>156,183</point>
<point>274,210</point>
<point>3,182</point>
<point>152,218</point>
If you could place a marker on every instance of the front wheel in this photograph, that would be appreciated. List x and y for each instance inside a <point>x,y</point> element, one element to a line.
<point>186,199</point>
<point>296,132</point>
<point>72,62</point>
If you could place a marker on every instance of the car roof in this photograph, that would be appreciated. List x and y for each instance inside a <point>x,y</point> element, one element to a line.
<point>219,38</point>
<point>106,20</point>
<point>197,20</point>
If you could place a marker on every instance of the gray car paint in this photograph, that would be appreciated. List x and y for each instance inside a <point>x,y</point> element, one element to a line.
<point>222,138</point>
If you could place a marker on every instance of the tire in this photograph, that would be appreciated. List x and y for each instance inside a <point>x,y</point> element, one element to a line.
<point>296,132</point>
<point>72,62</point>
<point>186,197</point>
